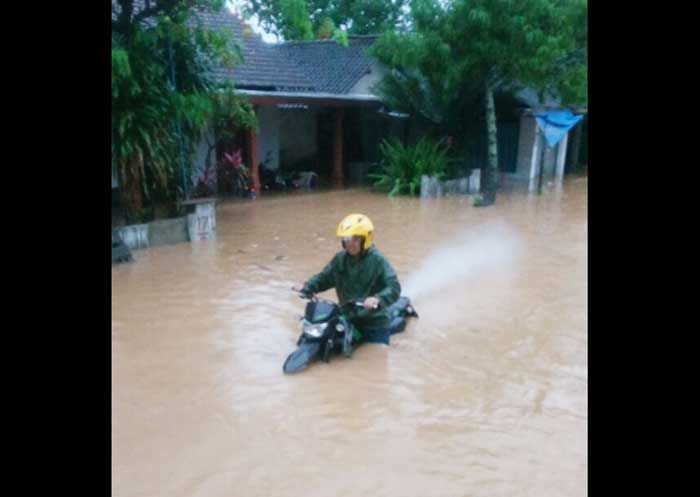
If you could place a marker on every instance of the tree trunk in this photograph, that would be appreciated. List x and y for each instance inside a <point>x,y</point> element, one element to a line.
<point>131,184</point>
<point>489,174</point>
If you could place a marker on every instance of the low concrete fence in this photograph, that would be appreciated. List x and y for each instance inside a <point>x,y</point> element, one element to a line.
<point>432,187</point>
<point>199,224</point>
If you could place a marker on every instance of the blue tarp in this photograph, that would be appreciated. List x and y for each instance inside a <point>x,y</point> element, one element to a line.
<point>555,124</point>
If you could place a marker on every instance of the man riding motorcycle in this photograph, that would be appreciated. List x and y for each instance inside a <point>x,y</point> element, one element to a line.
<point>361,273</point>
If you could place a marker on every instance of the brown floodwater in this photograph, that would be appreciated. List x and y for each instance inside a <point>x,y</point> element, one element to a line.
<point>484,395</point>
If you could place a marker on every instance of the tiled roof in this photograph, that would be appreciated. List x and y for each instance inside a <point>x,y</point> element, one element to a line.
<point>263,67</point>
<point>321,66</point>
<point>331,68</point>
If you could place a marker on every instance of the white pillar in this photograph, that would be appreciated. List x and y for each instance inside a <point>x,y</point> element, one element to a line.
<point>535,163</point>
<point>561,158</point>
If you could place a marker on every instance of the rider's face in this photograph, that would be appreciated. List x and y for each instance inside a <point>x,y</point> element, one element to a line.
<point>353,245</point>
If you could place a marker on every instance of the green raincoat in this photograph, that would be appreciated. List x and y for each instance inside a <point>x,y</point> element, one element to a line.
<point>355,279</point>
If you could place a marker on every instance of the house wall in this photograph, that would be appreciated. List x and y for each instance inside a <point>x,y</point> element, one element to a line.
<point>268,141</point>
<point>365,83</point>
<point>530,148</point>
<point>198,160</point>
<point>200,156</point>
<point>372,134</point>
<point>526,141</point>
<point>375,129</point>
<point>297,134</point>
<point>269,136</point>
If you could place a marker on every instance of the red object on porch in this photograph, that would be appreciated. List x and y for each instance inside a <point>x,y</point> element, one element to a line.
<point>253,159</point>
<point>338,179</point>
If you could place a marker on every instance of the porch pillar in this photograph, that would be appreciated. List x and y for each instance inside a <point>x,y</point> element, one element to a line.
<point>338,179</point>
<point>535,160</point>
<point>252,139</point>
<point>561,158</point>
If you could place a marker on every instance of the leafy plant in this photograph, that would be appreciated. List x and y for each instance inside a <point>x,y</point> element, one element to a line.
<point>403,166</point>
<point>235,174</point>
<point>164,96</point>
<point>206,184</point>
<point>457,55</point>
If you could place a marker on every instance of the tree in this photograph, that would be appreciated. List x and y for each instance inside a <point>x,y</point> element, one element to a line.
<point>230,111</point>
<point>425,80</point>
<point>163,94</point>
<point>308,19</point>
<point>466,50</point>
<point>288,18</point>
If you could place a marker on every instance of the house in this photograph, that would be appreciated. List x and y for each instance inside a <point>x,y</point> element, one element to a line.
<point>529,160</point>
<point>316,111</point>
<point>313,102</point>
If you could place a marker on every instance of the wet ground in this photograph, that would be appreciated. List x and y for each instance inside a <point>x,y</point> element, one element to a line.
<point>484,395</point>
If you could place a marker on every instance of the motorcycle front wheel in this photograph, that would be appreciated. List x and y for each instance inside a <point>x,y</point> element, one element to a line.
<point>300,359</point>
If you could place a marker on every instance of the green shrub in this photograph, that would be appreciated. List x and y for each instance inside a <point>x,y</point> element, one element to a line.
<point>403,166</point>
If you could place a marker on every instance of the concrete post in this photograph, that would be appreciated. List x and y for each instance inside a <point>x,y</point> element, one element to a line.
<point>535,164</point>
<point>201,225</point>
<point>561,159</point>
<point>475,181</point>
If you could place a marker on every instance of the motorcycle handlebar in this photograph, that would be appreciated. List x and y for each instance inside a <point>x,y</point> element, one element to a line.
<point>304,295</point>
<point>312,297</point>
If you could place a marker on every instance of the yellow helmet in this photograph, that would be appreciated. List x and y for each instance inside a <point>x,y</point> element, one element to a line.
<point>357,225</point>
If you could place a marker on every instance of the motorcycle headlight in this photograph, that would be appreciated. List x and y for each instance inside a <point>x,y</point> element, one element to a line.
<point>314,330</point>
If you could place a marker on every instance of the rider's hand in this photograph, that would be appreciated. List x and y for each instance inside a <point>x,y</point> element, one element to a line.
<point>371,303</point>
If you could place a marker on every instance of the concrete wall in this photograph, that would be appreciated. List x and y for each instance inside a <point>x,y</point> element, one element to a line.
<point>197,225</point>
<point>167,231</point>
<point>269,135</point>
<point>155,233</point>
<point>297,134</point>
<point>432,187</point>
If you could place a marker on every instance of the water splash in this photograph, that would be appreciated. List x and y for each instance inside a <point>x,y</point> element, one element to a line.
<point>462,259</point>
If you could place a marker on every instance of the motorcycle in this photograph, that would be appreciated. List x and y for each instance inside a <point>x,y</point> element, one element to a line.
<point>327,331</point>
<point>271,179</point>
